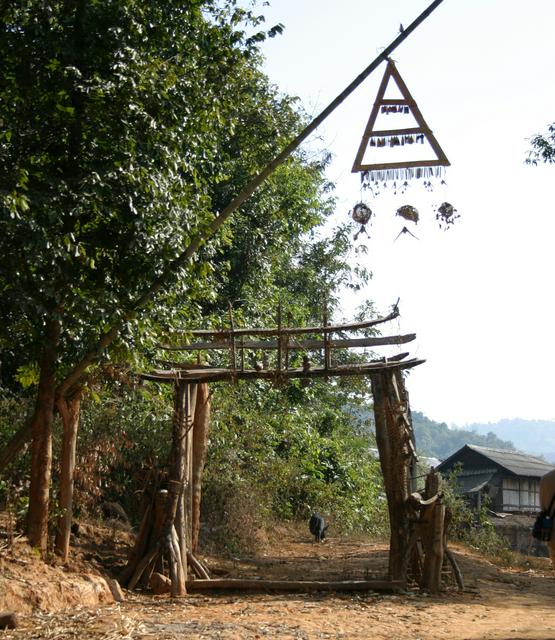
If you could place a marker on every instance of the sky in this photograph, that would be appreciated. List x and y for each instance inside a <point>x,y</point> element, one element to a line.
<point>480,296</point>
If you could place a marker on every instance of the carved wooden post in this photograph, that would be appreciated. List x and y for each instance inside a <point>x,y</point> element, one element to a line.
<point>394,440</point>
<point>435,537</point>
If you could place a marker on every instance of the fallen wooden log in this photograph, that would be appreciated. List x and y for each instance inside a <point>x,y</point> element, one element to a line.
<point>250,584</point>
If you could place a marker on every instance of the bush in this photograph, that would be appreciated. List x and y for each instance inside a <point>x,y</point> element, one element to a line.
<point>279,454</point>
<point>472,527</point>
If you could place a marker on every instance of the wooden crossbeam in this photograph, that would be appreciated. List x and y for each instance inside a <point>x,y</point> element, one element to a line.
<point>301,344</point>
<point>220,374</point>
<point>263,331</point>
<point>172,364</point>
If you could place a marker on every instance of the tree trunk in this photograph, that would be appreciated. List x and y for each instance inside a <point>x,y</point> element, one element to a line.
<point>41,460</point>
<point>200,441</point>
<point>70,412</point>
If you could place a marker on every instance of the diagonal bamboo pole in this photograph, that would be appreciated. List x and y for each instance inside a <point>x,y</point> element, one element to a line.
<point>246,192</point>
<point>22,436</point>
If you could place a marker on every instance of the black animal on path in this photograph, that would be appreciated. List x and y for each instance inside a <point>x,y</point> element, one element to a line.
<point>317,526</point>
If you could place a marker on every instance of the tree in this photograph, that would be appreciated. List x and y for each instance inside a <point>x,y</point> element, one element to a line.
<point>114,115</point>
<point>543,147</point>
<point>119,143</point>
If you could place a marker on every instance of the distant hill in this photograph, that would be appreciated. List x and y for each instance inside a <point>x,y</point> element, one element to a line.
<point>532,436</point>
<point>438,440</point>
<point>434,439</point>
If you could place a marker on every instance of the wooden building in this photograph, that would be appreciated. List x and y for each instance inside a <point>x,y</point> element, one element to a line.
<point>510,479</point>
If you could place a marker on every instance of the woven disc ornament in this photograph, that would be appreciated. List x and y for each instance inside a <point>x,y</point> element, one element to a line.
<point>408,212</point>
<point>361,214</point>
<point>446,214</point>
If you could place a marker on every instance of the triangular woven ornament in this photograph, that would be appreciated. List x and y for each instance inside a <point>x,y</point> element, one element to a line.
<point>398,137</point>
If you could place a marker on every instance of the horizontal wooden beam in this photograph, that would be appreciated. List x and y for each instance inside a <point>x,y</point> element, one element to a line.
<point>220,374</point>
<point>286,586</point>
<point>374,341</point>
<point>394,101</point>
<point>404,165</point>
<point>262,331</point>
<point>398,132</point>
<point>172,364</point>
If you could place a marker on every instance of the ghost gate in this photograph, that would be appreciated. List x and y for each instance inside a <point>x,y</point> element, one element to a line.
<point>168,534</point>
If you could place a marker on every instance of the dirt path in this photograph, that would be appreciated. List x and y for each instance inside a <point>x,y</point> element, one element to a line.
<point>498,604</point>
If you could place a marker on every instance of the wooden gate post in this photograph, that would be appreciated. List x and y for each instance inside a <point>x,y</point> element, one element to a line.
<point>200,445</point>
<point>167,534</point>
<point>395,442</point>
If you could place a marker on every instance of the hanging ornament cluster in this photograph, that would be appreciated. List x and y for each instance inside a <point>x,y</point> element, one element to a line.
<point>398,137</point>
<point>446,214</point>
<point>395,166</point>
<point>361,214</point>
<point>410,213</point>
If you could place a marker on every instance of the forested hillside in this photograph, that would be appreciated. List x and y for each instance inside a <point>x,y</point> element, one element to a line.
<point>532,436</point>
<point>438,440</point>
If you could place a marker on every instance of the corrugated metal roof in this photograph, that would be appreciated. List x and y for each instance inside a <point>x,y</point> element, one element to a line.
<point>521,464</point>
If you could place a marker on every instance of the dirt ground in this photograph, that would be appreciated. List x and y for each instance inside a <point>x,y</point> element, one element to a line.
<point>498,603</point>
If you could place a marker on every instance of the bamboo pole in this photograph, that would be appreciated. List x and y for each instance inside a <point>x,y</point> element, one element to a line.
<point>279,340</point>
<point>302,586</point>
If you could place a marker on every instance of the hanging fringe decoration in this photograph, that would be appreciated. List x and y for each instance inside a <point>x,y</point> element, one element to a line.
<point>398,170</point>
<point>407,173</point>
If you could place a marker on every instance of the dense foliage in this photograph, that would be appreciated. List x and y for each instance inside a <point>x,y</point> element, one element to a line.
<point>116,117</point>
<point>280,453</point>
<point>470,526</point>
<point>543,147</point>
<point>126,127</point>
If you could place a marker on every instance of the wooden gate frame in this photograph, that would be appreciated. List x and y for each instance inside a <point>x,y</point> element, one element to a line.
<point>417,524</point>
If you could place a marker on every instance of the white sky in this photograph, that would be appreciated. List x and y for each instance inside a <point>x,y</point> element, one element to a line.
<point>480,296</point>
